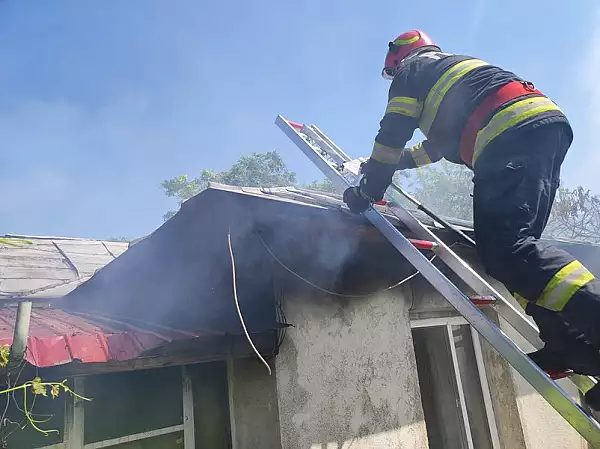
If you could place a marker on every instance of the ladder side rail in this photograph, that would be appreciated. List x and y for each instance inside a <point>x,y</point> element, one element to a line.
<point>505,309</point>
<point>551,392</point>
<point>330,142</point>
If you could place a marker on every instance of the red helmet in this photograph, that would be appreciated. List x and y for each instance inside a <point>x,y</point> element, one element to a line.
<point>401,47</point>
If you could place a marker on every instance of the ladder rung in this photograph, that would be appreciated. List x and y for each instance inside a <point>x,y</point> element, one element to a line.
<point>424,244</point>
<point>555,375</point>
<point>482,300</point>
<point>296,125</point>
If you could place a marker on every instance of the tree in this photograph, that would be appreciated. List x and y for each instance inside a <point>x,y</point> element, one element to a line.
<point>445,188</point>
<point>575,215</point>
<point>255,170</point>
<point>325,186</point>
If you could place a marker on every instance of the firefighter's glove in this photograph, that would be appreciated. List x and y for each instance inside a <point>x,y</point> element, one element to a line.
<point>375,181</point>
<point>357,202</point>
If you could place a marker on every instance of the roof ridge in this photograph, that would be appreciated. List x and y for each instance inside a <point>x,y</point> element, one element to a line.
<point>46,237</point>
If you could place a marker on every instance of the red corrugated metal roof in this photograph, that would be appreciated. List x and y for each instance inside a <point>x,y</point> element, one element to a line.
<point>57,337</point>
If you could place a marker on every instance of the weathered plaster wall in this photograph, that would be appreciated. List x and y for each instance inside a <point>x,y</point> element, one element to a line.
<point>346,374</point>
<point>253,405</point>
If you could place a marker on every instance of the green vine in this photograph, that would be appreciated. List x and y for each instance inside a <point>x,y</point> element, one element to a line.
<point>37,386</point>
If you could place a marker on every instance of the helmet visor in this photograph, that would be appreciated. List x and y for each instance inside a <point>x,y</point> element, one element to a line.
<point>388,73</point>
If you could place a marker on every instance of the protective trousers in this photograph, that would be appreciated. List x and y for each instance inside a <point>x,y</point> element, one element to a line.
<point>515,183</point>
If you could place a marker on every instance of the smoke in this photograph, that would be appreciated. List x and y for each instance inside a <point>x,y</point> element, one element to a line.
<point>314,246</point>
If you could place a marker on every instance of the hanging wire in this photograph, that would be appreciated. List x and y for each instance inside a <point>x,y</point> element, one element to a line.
<point>237,304</point>
<point>324,290</point>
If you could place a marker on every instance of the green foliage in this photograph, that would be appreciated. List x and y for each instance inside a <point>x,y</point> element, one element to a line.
<point>325,186</point>
<point>446,189</point>
<point>37,387</point>
<point>255,170</point>
<point>4,355</point>
<point>575,215</point>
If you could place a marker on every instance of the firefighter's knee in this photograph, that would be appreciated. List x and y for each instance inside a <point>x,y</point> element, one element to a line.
<point>564,285</point>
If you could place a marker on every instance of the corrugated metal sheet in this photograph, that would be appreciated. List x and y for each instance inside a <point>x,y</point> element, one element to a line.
<point>57,337</point>
<point>40,267</point>
<point>50,266</point>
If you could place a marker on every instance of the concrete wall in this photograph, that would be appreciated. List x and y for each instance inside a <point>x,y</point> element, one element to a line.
<point>253,405</point>
<point>346,374</point>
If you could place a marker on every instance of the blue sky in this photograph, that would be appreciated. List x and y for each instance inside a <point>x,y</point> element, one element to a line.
<point>101,101</point>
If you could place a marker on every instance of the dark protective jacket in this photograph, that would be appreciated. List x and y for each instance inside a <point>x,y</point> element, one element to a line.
<point>461,104</point>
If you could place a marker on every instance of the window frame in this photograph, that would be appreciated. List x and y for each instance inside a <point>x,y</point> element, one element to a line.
<point>448,322</point>
<point>75,419</point>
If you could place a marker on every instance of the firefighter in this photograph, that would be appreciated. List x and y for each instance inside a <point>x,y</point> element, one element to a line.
<point>515,139</point>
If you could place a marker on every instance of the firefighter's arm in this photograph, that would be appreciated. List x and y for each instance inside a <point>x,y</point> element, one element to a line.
<point>423,153</point>
<point>396,128</point>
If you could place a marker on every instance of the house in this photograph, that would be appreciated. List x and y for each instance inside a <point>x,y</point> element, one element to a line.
<point>361,351</point>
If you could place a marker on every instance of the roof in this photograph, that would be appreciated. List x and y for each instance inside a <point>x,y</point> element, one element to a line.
<point>175,285</point>
<point>46,267</point>
<point>328,200</point>
<point>50,266</point>
<point>180,275</point>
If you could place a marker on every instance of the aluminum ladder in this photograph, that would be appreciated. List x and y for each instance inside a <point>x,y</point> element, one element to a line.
<point>331,160</point>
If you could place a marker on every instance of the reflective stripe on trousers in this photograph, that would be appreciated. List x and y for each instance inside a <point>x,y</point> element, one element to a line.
<point>564,285</point>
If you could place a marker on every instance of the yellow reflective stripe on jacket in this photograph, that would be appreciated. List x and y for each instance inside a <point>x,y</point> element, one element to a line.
<point>385,154</point>
<point>419,155</point>
<point>564,285</point>
<point>440,88</point>
<point>522,301</point>
<point>405,106</point>
<point>509,117</point>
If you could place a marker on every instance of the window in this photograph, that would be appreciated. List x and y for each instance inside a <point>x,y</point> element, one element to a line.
<point>454,390</point>
<point>137,403</point>
<point>163,408</point>
<point>211,405</point>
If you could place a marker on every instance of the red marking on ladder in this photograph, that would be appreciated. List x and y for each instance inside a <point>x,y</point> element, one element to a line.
<point>423,244</point>
<point>555,375</point>
<point>296,125</point>
<point>482,300</point>
<point>380,203</point>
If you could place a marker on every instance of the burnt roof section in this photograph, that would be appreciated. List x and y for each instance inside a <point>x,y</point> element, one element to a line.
<point>180,275</point>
